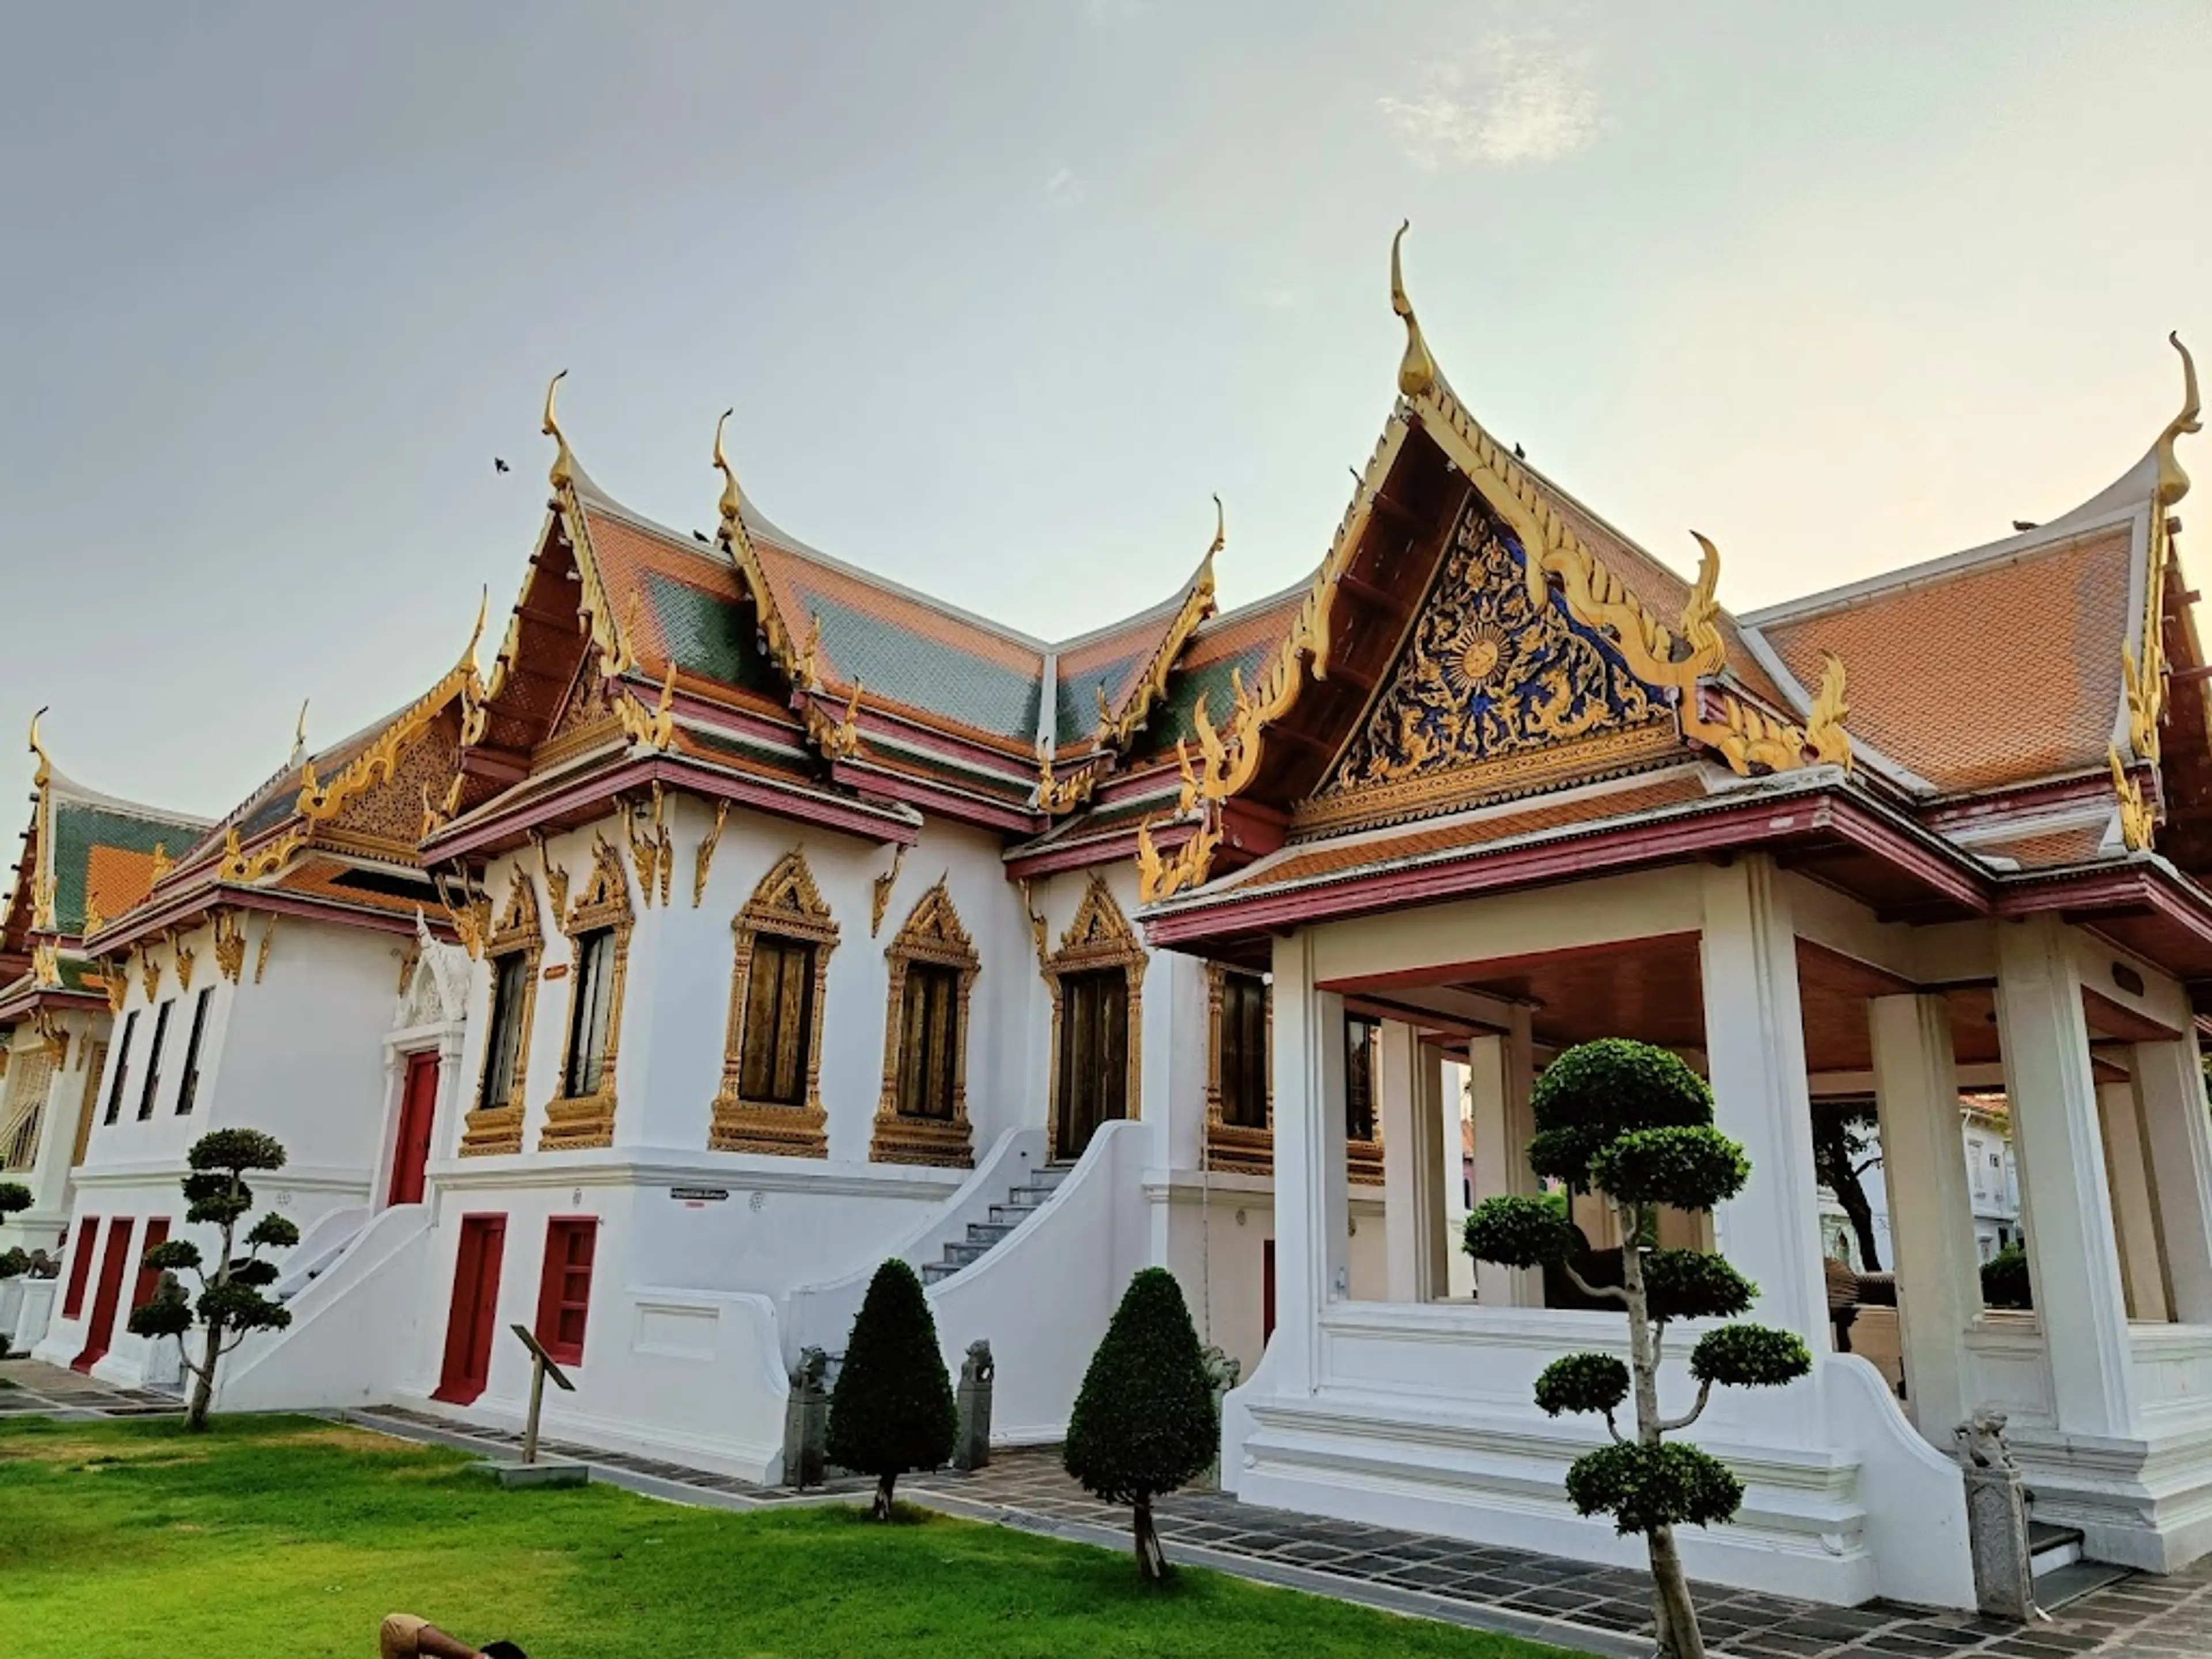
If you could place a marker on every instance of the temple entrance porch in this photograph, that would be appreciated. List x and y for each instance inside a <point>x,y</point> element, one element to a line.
<point>1418,1404</point>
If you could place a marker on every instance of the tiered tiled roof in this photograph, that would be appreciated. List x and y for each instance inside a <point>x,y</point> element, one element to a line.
<point>86,856</point>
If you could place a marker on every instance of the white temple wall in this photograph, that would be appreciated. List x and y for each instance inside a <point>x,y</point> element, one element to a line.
<point>62,1104</point>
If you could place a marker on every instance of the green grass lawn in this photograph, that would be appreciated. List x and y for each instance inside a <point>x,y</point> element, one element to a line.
<point>288,1535</point>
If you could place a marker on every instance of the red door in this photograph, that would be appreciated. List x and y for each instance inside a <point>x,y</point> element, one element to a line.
<point>476,1308</point>
<point>113,1263</point>
<point>410,1148</point>
<point>149,1279</point>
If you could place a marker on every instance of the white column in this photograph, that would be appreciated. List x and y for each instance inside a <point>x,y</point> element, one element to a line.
<point>1413,1166</point>
<point>2072,1261</point>
<point>1451,1101</point>
<point>2134,1201</point>
<point>1499,1074</point>
<point>1931,1223</point>
<point>1312,1238</point>
<point>2177,1140</point>
<point>1755,1055</point>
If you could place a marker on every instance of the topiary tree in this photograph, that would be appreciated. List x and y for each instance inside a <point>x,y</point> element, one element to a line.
<point>15,1199</point>
<point>1144,1422</point>
<point>892,1408</point>
<point>1632,1122</point>
<point>230,1304</point>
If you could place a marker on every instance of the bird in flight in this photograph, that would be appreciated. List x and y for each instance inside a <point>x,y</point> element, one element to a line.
<point>498,466</point>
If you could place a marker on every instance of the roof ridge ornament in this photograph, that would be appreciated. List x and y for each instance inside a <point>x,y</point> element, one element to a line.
<point>45,770</point>
<point>1417,369</point>
<point>562,473</point>
<point>1117,725</point>
<point>2172,481</point>
<point>1697,626</point>
<point>733,500</point>
<point>1826,740</point>
<point>300,734</point>
<point>468,657</point>
<point>2138,819</point>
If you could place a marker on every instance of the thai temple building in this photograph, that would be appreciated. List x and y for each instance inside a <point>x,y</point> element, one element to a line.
<point>751,919</point>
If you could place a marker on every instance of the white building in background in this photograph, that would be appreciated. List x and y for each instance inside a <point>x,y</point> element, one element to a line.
<point>1992,1187</point>
<point>799,921</point>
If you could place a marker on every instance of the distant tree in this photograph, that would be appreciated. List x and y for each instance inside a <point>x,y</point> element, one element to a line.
<point>230,1305</point>
<point>1144,1422</point>
<point>1845,1145</point>
<point>892,1408</point>
<point>1633,1123</point>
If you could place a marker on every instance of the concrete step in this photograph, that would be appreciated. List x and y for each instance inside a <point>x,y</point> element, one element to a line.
<point>1011,1215</point>
<point>2050,1547</point>
<point>987,1233</point>
<point>1031,1197</point>
<point>2056,1588</point>
<point>961,1256</point>
<point>933,1272</point>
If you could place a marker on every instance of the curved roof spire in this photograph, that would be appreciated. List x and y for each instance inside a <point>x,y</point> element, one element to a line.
<point>2172,481</point>
<point>300,734</point>
<point>563,470</point>
<point>468,658</point>
<point>46,767</point>
<point>733,500</point>
<point>1417,369</point>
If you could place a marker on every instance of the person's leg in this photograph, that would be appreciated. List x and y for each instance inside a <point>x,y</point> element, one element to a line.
<point>397,1639</point>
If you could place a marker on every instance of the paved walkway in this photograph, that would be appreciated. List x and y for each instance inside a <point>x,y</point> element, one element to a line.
<point>1572,1604</point>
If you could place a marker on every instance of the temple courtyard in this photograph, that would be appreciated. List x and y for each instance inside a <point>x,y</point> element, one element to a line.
<point>305,1530</point>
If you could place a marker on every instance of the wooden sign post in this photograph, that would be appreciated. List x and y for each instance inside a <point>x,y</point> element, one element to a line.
<point>542,1366</point>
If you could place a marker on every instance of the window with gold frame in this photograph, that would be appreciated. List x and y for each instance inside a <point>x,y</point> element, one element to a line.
<point>1363,1100</point>
<point>512,950</point>
<point>1240,1077</point>
<point>921,1117</point>
<point>770,1100</point>
<point>598,929</point>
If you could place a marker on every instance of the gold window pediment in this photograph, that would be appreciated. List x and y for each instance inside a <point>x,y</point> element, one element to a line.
<point>932,936</point>
<point>588,1120</point>
<point>496,1126</point>
<point>786,905</point>
<point>1497,691</point>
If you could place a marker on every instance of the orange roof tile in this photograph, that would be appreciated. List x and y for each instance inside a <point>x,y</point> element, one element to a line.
<point>1994,673</point>
<point>2047,849</point>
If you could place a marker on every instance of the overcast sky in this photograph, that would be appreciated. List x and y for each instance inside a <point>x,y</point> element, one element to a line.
<point>1002,293</point>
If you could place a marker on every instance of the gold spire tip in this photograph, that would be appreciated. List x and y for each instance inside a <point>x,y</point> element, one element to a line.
<point>733,500</point>
<point>1220,529</point>
<point>2172,481</point>
<point>476,634</point>
<point>45,761</point>
<point>564,468</point>
<point>1416,370</point>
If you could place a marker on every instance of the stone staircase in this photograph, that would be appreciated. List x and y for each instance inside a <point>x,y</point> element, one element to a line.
<point>983,1236</point>
<point>2061,1574</point>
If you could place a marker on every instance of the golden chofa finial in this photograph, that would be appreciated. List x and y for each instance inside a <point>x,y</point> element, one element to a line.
<point>1416,370</point>
<point>2172,481</point>
<point>733,500</point>
<point>46,767</point>
<point>1220,529</point>
<point>300,735</point>
<point>563,470</point>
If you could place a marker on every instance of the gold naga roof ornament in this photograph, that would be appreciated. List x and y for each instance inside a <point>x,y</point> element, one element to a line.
<point>319,802</point>
<point>45,770</point>
<point>2146,675</point>
<point>838,739</point>
<point>562,473</point>
<point>1160,876</point>
<point>300,734</point>
<point>1117,725</point>
<point>1058,795</point>
<point>656,730</point>
<point>1826,740</point>
<point>798,664</point>
<point>2138,821</point>
<point>1417,369</point>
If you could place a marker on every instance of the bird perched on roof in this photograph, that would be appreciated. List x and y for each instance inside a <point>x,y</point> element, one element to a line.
<point>1519,453</point>
<point>2024,524</point>
<point>498,466</point>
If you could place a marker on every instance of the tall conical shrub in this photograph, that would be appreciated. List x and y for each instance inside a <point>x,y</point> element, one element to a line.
<point>892,1408</point>
<point>1144,1422</point>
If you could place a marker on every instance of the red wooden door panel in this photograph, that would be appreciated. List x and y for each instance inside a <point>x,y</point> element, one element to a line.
<point>149,1279</point>
<point>114,1261</point>
<point>84,1244</point>
<point>475,1312</point>
<point>410,1149</point>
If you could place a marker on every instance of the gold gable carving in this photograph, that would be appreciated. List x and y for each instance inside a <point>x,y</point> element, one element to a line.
<point>1497,690</point>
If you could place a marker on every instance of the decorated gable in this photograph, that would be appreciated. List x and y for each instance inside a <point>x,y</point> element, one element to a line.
<point>1496,691</point>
